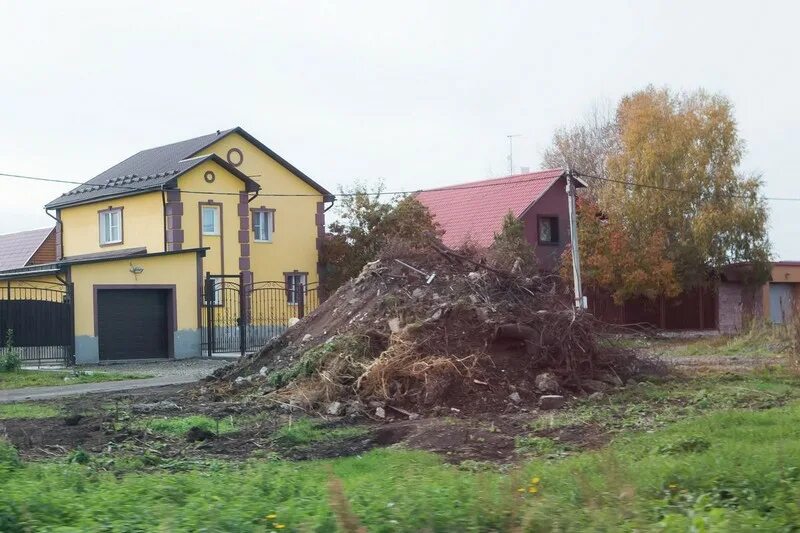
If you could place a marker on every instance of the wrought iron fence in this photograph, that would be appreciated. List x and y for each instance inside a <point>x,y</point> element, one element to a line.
<point>241,316</point>
<point>37,320</point>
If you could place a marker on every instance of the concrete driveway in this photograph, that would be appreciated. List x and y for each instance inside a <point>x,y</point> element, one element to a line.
<point>163,372</point>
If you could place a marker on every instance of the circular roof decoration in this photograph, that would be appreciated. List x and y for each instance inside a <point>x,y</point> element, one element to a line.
<point>209,176</point>
<point>235,157</point>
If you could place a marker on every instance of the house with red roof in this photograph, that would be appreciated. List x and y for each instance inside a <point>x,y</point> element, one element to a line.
<point>473,212</point>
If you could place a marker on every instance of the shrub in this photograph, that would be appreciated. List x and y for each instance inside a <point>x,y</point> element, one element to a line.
<point>10,358</point>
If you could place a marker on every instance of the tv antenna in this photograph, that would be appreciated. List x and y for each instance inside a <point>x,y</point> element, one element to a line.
<point>511,152</point>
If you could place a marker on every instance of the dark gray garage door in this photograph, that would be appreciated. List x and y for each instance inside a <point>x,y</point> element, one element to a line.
<point>132,323</point>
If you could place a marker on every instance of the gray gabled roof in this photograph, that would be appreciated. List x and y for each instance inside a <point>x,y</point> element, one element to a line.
<point>160,166</point>
<point>16,249</point>
<point>130,184</point>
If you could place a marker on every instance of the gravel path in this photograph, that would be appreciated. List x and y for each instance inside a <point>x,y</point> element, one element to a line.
<point>191,368</point>
<point>163,372</point>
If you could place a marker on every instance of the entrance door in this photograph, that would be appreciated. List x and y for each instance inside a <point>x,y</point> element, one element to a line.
<point>780,302</point>
<point>133,323</point>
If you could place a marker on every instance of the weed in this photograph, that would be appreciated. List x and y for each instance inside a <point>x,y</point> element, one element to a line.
<point>685,445</point>
<point>305,431</point>
<point>9,411</point>
<point>10,357</point>
<point>540,445</point>
<point>180,425</point>
<point>9,458</point>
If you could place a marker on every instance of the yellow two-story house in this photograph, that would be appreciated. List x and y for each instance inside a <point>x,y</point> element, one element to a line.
<point>176,244</point>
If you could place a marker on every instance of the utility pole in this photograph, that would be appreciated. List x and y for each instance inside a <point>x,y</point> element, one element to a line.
<point>580,303</point>
<point>511,152</point>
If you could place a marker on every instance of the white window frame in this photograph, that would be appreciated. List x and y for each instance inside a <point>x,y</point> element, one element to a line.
<point>266,225</point>
<point>292,279</point>
<point>106,223</point>
<point>214,209</point>
<point>219,284</point>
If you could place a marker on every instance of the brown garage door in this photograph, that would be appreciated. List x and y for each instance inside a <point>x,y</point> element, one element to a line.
<point>132,323</point>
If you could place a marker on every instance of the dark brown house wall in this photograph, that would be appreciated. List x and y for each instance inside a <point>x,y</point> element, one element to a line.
<point>46,252</point>
<point>552,203</point>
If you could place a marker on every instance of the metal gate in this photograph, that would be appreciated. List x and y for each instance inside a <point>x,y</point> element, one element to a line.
<point>37,320</point>
<point>240,316</point>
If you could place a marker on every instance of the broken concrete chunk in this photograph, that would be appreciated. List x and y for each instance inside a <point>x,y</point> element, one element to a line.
<point>380,412</point>
<point>306,337</point>
<point>335,409</point>
<point>394,324</point>
<point>594,385</point>
<point>547,382</point>
<point>597,396</point>
<point>551,401</point>
<point>263,372</point>
<point>611,379</point>
<point>164,405</point>
<point>515,397</point>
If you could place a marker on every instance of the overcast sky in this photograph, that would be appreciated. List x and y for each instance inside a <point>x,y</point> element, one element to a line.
<point>420,94</point>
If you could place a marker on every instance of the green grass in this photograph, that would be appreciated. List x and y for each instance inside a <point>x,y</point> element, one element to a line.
<point>305,431</point>
<point>733,470</point>
<point>179,425</point>
<point>27,410</point>
<point>761,341</point>
<point>44,378</point>
<point>647,406</point>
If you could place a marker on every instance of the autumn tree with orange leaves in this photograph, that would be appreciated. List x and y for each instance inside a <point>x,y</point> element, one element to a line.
<point>675,207</point>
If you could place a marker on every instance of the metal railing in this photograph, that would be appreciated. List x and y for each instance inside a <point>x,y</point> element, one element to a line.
<point>241,316</point>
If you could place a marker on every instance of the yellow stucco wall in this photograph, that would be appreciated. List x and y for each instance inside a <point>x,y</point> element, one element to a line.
<point>293,245</point>
<point>35,288</point>
<point>142,225</point>
<point>224,182</point>
<point>174,269</point>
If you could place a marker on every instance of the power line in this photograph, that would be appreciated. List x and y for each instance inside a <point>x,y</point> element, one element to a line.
<point>402,192</point>
<point>674,189</point>
<point>220,193</point>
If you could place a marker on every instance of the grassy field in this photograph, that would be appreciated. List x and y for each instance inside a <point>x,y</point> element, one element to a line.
<point>27,410</point>
<point>44,378</point>
<point>762,341</point>
<point>709,454</point>
<point>733,470</point>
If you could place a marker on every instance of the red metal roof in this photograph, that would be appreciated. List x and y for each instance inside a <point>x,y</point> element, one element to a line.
<point>474,211</point>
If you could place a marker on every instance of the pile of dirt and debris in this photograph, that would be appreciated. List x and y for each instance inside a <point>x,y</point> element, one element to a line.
<point>432,331</point>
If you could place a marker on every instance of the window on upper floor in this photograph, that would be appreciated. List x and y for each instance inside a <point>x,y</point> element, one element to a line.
<point>210,219</point>
<point>548,230</point>
<point>296,282</point>
<point>110,226</point>
<point>263,224</point>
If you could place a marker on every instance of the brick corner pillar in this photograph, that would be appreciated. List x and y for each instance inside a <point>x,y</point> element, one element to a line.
<point>173,220</point>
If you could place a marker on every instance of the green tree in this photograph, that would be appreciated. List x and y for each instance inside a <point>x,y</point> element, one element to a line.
<point>697,207</point>
<point>510,246</point>
<point>365,225</point>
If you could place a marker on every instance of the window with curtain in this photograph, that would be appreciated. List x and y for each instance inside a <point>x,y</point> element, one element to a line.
<point>263,225</point>
<point>210,219</point>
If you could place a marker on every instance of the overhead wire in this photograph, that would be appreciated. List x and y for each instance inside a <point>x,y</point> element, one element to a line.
<point>401,192</point>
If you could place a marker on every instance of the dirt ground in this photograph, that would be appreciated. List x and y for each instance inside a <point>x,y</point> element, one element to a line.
<point>108,423</point>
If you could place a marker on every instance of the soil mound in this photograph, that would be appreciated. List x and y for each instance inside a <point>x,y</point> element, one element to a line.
<point>431,331</point>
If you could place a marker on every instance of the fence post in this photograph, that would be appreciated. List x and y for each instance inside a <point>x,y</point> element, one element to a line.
<point>208,301</point>
<point>300,297</point>
<point>71,295</point>
<point>242,315</point>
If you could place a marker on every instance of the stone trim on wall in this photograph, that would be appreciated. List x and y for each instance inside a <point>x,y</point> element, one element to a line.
<point>173,221</point>
<point>319,220</point>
